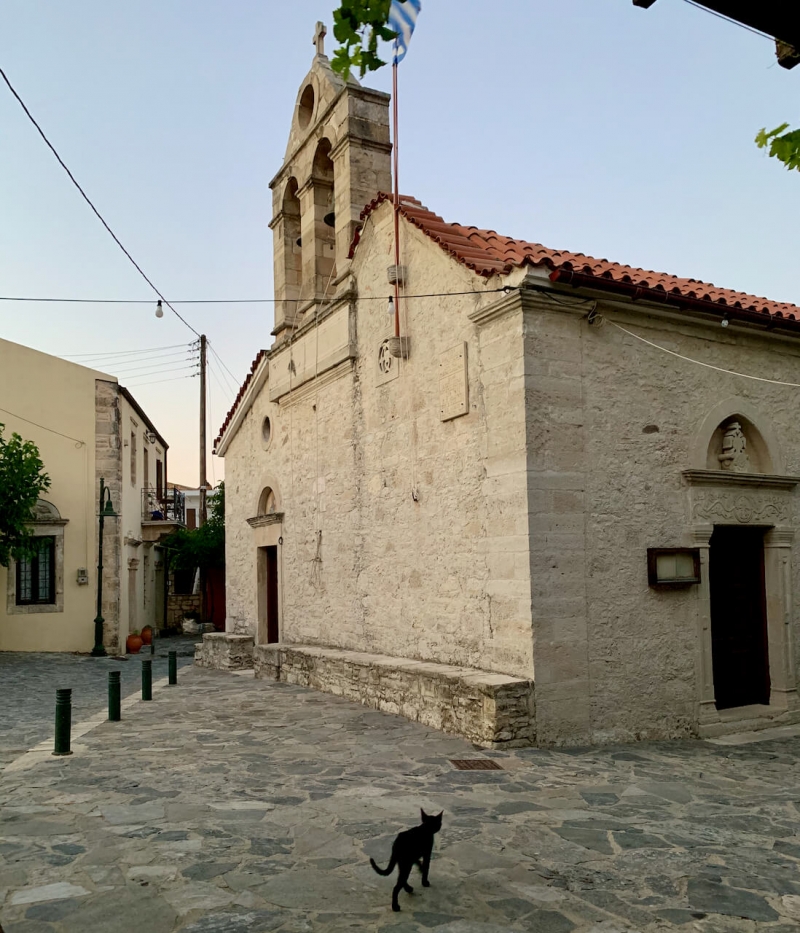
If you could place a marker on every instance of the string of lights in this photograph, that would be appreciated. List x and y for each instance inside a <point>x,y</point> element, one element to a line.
<point>86,198</point>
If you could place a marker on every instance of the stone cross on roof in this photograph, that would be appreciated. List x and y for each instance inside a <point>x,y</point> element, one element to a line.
<point>319,38</point>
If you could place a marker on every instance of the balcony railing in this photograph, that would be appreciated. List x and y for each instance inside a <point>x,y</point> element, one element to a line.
<point>168,507</point>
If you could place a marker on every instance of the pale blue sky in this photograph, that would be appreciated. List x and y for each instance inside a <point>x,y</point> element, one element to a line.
<point>587,125</point>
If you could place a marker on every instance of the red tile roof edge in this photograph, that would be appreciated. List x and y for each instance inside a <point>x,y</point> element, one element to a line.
<point>239,396</point>
<point>488,253</point>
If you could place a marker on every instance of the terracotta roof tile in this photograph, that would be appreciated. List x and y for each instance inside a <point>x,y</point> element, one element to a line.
<point>240,395</point>
<point>487,253</point>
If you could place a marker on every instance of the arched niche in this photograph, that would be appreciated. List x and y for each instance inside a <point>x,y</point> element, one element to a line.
<point>45,511</point>
<point>269,499</point>
<point>735,437</point>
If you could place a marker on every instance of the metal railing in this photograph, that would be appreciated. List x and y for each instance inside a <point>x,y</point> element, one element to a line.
<point>168,507</point>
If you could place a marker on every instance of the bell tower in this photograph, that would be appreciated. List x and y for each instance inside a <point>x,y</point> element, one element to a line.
<point>337,160</point>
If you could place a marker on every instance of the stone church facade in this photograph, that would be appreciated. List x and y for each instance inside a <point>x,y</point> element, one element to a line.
<point>558,510</point>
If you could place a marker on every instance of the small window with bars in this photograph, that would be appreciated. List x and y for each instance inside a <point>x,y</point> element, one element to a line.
<point>36,575</point>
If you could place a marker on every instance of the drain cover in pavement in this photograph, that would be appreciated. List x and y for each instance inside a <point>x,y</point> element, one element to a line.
<point>475,764</point>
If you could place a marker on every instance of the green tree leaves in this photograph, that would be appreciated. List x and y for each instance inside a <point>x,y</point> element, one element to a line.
<point>357,27</point>
<point>782,145</point>
<point>22,481</point>
<point>202,547</point>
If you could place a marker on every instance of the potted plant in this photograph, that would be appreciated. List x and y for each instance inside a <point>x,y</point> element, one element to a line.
<point>133,644</point>
<point>147,635</point>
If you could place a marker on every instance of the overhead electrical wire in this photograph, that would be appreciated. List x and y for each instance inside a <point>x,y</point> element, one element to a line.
<point>138,385</point>
<point>728,19</point>
<point>144,360</point>
<point>161,371</point>
<point>171,346</point>
<point>86,198</point>
<point>235,385</point>
<point>248,301</point>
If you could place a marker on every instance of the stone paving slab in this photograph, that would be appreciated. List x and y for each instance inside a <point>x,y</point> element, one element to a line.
<point>28,683</point>
<point>230,805</point>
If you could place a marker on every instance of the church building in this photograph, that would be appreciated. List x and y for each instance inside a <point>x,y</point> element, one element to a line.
<point>556,506</point>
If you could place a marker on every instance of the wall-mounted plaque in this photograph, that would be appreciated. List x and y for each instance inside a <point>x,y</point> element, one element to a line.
<point>453,383</point>
<point>673,566</point>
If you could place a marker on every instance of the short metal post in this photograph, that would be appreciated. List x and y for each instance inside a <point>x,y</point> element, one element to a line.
<point>147,679</point>
<point>63,722</point>
<point>173,667</point>
<point>114,689</point>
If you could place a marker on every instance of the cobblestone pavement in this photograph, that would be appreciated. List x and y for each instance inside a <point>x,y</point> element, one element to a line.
<point>229,805</point>
<point>28,684</point>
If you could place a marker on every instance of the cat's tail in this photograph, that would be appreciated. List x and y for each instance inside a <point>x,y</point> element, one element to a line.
<point>382,871</point>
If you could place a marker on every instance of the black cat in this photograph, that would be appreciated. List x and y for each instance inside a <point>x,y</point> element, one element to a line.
<point>412,847</point>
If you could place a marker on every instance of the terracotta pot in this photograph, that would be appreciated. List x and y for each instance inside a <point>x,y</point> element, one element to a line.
<point>133,644</point>
<point>147,635</point>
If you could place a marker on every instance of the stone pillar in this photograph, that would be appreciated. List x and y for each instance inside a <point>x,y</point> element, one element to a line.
<point>700,538</point>
<point>778,579</point>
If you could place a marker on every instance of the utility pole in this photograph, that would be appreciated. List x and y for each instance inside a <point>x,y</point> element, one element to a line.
<point>202,429</point>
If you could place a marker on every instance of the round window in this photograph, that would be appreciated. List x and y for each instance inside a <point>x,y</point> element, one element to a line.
<point>266,431</point>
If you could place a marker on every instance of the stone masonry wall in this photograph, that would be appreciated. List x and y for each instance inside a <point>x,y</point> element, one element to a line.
<point>402,534</point>
<point>491,710</point>
<point>611,424</point>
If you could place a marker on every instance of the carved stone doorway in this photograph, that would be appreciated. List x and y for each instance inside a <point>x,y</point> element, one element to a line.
<point>739,638</point>
<point>268,601</point>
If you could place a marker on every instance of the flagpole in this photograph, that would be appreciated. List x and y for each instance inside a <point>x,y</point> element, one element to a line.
<point>395,156</point>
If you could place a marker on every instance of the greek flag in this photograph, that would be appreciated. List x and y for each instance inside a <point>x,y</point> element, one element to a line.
<point>402,19</point>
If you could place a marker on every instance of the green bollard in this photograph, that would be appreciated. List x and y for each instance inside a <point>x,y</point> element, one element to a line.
<point>173,667</point>
<point>63,722</point>
<point>114,690</point>
<point>147,679</point>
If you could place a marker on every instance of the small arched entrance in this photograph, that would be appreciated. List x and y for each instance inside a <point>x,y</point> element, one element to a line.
<point>267,525</point>
<point>740,507</point>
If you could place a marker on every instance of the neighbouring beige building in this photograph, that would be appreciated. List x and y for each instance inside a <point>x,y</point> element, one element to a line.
<point>86,426</point>
<point>560,510</point>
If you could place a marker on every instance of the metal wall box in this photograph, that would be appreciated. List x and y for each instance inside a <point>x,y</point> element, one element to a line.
<point>673,566</point>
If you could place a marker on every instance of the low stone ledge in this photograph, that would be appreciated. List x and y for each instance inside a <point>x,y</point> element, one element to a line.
<point>491,710</point>
<point>224,652</point>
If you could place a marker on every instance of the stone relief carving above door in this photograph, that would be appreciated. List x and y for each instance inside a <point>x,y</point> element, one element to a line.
<point>728,507</point>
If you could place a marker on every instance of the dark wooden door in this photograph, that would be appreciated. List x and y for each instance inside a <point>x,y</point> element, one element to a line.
<point>738,617</point>
<point>272,594</point>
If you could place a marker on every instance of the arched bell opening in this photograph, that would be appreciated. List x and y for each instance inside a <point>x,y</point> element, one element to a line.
<point>322,176</point>
<point>292,246</point>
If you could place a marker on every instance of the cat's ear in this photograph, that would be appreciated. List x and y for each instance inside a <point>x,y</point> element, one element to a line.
<point>439,815</point>
<point>423,814</point>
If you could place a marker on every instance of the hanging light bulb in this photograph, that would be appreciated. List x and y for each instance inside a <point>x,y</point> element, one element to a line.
<point>390,309</point>
<point>724,322</point>
<point>159,310</point>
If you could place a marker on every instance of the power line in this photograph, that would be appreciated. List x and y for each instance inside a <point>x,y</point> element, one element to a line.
<point>137,385</point>
<point>88,201</point>
<point>146,359</point>
<point>118,366</point>
<point>148,371</point>
<point>224,387</point>
<point>728,19</point>
<point>44,427</point>
<point>246,301</point>
<point>170,346</point>
<point>222,363</point>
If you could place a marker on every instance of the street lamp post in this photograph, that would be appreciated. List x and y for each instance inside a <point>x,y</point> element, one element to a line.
<point>106,510</point>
